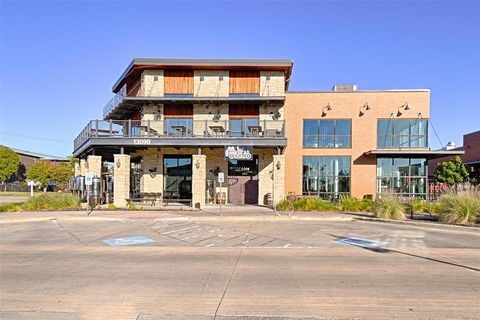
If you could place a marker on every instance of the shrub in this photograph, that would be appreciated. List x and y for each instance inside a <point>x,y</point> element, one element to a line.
<point>45,201</point>
<point>313,204</point>
<point>354,204</point>
<point>131,207</point>
<point>425,206</point>
<point>389,207</point>
<point>462,208</point>
<point>112,207</point>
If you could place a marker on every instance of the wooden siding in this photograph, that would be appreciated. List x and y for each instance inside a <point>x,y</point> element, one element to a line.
<point>244,82</point>
<point>243,111</point>
<point>133,87</point>
<point>178,81</point>
<point>178,111</point>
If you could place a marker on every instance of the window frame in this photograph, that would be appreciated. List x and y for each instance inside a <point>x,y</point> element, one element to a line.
<point>318,135</point>
<point>329,178</point>
<point>393,139</point>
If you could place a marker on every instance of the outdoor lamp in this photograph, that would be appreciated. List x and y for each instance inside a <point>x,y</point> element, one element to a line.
<point>405,107</point>
<point>366,107</point>
<point>197,164</point>
<point>279,165</point>
<point>326,108</point>
<point>119,164</point>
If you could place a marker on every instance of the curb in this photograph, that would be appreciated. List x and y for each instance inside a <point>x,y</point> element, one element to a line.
<point>200,219</point>
<point>420,224</point>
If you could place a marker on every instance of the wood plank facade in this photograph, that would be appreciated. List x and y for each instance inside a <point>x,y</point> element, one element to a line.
<point>245,82</point>
<point>178,81</point>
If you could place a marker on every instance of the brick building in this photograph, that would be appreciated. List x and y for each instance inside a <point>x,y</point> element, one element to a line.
<point>471,156</point>
<point>175,125</point>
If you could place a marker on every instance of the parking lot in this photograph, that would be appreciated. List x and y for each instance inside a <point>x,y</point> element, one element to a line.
<point>148,267</point>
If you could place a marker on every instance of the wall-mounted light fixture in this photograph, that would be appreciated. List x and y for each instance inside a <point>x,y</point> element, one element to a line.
<point>404,107</point>
<point>217,115</point>
<point>118,163</point>
<point>364,107</point>
<point>279,165</point>
<point>153,172</point>
<point>197,164</point>
<point>275,115</point>
<point>326,108</point>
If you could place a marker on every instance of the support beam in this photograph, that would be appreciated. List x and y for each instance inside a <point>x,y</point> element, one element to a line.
<point>199,177</point>
<point>95,165</point>
<point>121,180</point>
<point>278,177</point>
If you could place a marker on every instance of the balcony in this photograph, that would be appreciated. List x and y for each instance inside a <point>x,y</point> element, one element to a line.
<point>180,132</point>
<point>123,106</point>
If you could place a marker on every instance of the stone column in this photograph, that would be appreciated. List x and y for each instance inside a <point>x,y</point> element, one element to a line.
<point>279,177</point>
<point>199,177</point>
<point>83,167</point>
<point>77,169</point>
<point>121,180</point>
<point>95,165</point>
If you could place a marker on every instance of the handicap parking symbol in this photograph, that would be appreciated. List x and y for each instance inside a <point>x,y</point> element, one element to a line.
<point>359,242</point>
<point>128,241</point>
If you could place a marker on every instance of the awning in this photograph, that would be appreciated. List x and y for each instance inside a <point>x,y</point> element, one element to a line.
<point>415,153</point>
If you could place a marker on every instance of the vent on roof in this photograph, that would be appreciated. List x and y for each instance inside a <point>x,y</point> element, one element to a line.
<point>345,87</point>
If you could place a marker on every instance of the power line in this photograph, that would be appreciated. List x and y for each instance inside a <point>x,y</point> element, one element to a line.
<point>33,138</point>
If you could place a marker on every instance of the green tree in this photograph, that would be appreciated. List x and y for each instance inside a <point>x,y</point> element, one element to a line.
<point>41,171</point>
<point>45,171</point>
<point>451,172</point>
<point>9,162</point>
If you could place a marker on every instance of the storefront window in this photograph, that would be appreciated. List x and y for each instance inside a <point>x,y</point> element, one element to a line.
<point>326,177</point>
<point>402,133</point>
<point>327,133</point>
<point>402,176</point>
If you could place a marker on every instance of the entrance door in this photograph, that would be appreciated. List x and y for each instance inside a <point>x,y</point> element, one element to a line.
<point>243,181</point>
<point>177,177</point>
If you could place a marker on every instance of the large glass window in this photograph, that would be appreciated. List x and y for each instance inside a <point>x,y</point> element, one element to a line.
<point>402,176</point>
<point>327,133</point>
<point>326,177</point>
<point>402,133</point>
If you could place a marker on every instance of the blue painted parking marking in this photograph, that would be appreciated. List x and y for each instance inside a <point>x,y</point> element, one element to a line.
<point>359,242</point>
<point>128,241</point>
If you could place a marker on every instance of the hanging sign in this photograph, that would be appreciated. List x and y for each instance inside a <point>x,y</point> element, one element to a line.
<point>238,152</point>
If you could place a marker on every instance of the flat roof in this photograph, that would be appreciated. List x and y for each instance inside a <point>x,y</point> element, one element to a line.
<point>359,91</point>
<point>159,62</point>
<point>430,154</point>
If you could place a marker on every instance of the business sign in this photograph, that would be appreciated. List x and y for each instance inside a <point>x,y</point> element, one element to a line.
<point>238,152</point>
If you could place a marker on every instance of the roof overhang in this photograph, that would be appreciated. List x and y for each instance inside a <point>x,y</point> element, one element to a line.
<point>130,105</point>
<point>429,154</point>
<point>139,64</point>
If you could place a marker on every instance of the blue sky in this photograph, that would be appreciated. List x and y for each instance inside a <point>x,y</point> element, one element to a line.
<point>60,59</point>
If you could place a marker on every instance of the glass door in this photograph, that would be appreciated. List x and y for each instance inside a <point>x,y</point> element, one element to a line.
<point>177,177</point>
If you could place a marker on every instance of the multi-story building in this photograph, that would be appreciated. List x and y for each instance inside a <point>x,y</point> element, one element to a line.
<point>175,126</point>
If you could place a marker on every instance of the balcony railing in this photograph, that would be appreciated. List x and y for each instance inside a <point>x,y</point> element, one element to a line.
<point>115,101</point>
<point>182,128</point>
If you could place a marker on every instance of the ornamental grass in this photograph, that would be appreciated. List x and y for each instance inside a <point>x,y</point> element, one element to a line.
<point>389,207</point>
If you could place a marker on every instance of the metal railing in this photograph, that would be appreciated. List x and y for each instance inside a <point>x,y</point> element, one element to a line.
<point>115,101</point>
<point>180,128</point>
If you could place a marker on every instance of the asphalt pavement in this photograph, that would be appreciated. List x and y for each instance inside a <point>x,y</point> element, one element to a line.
<point>178,265</point>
